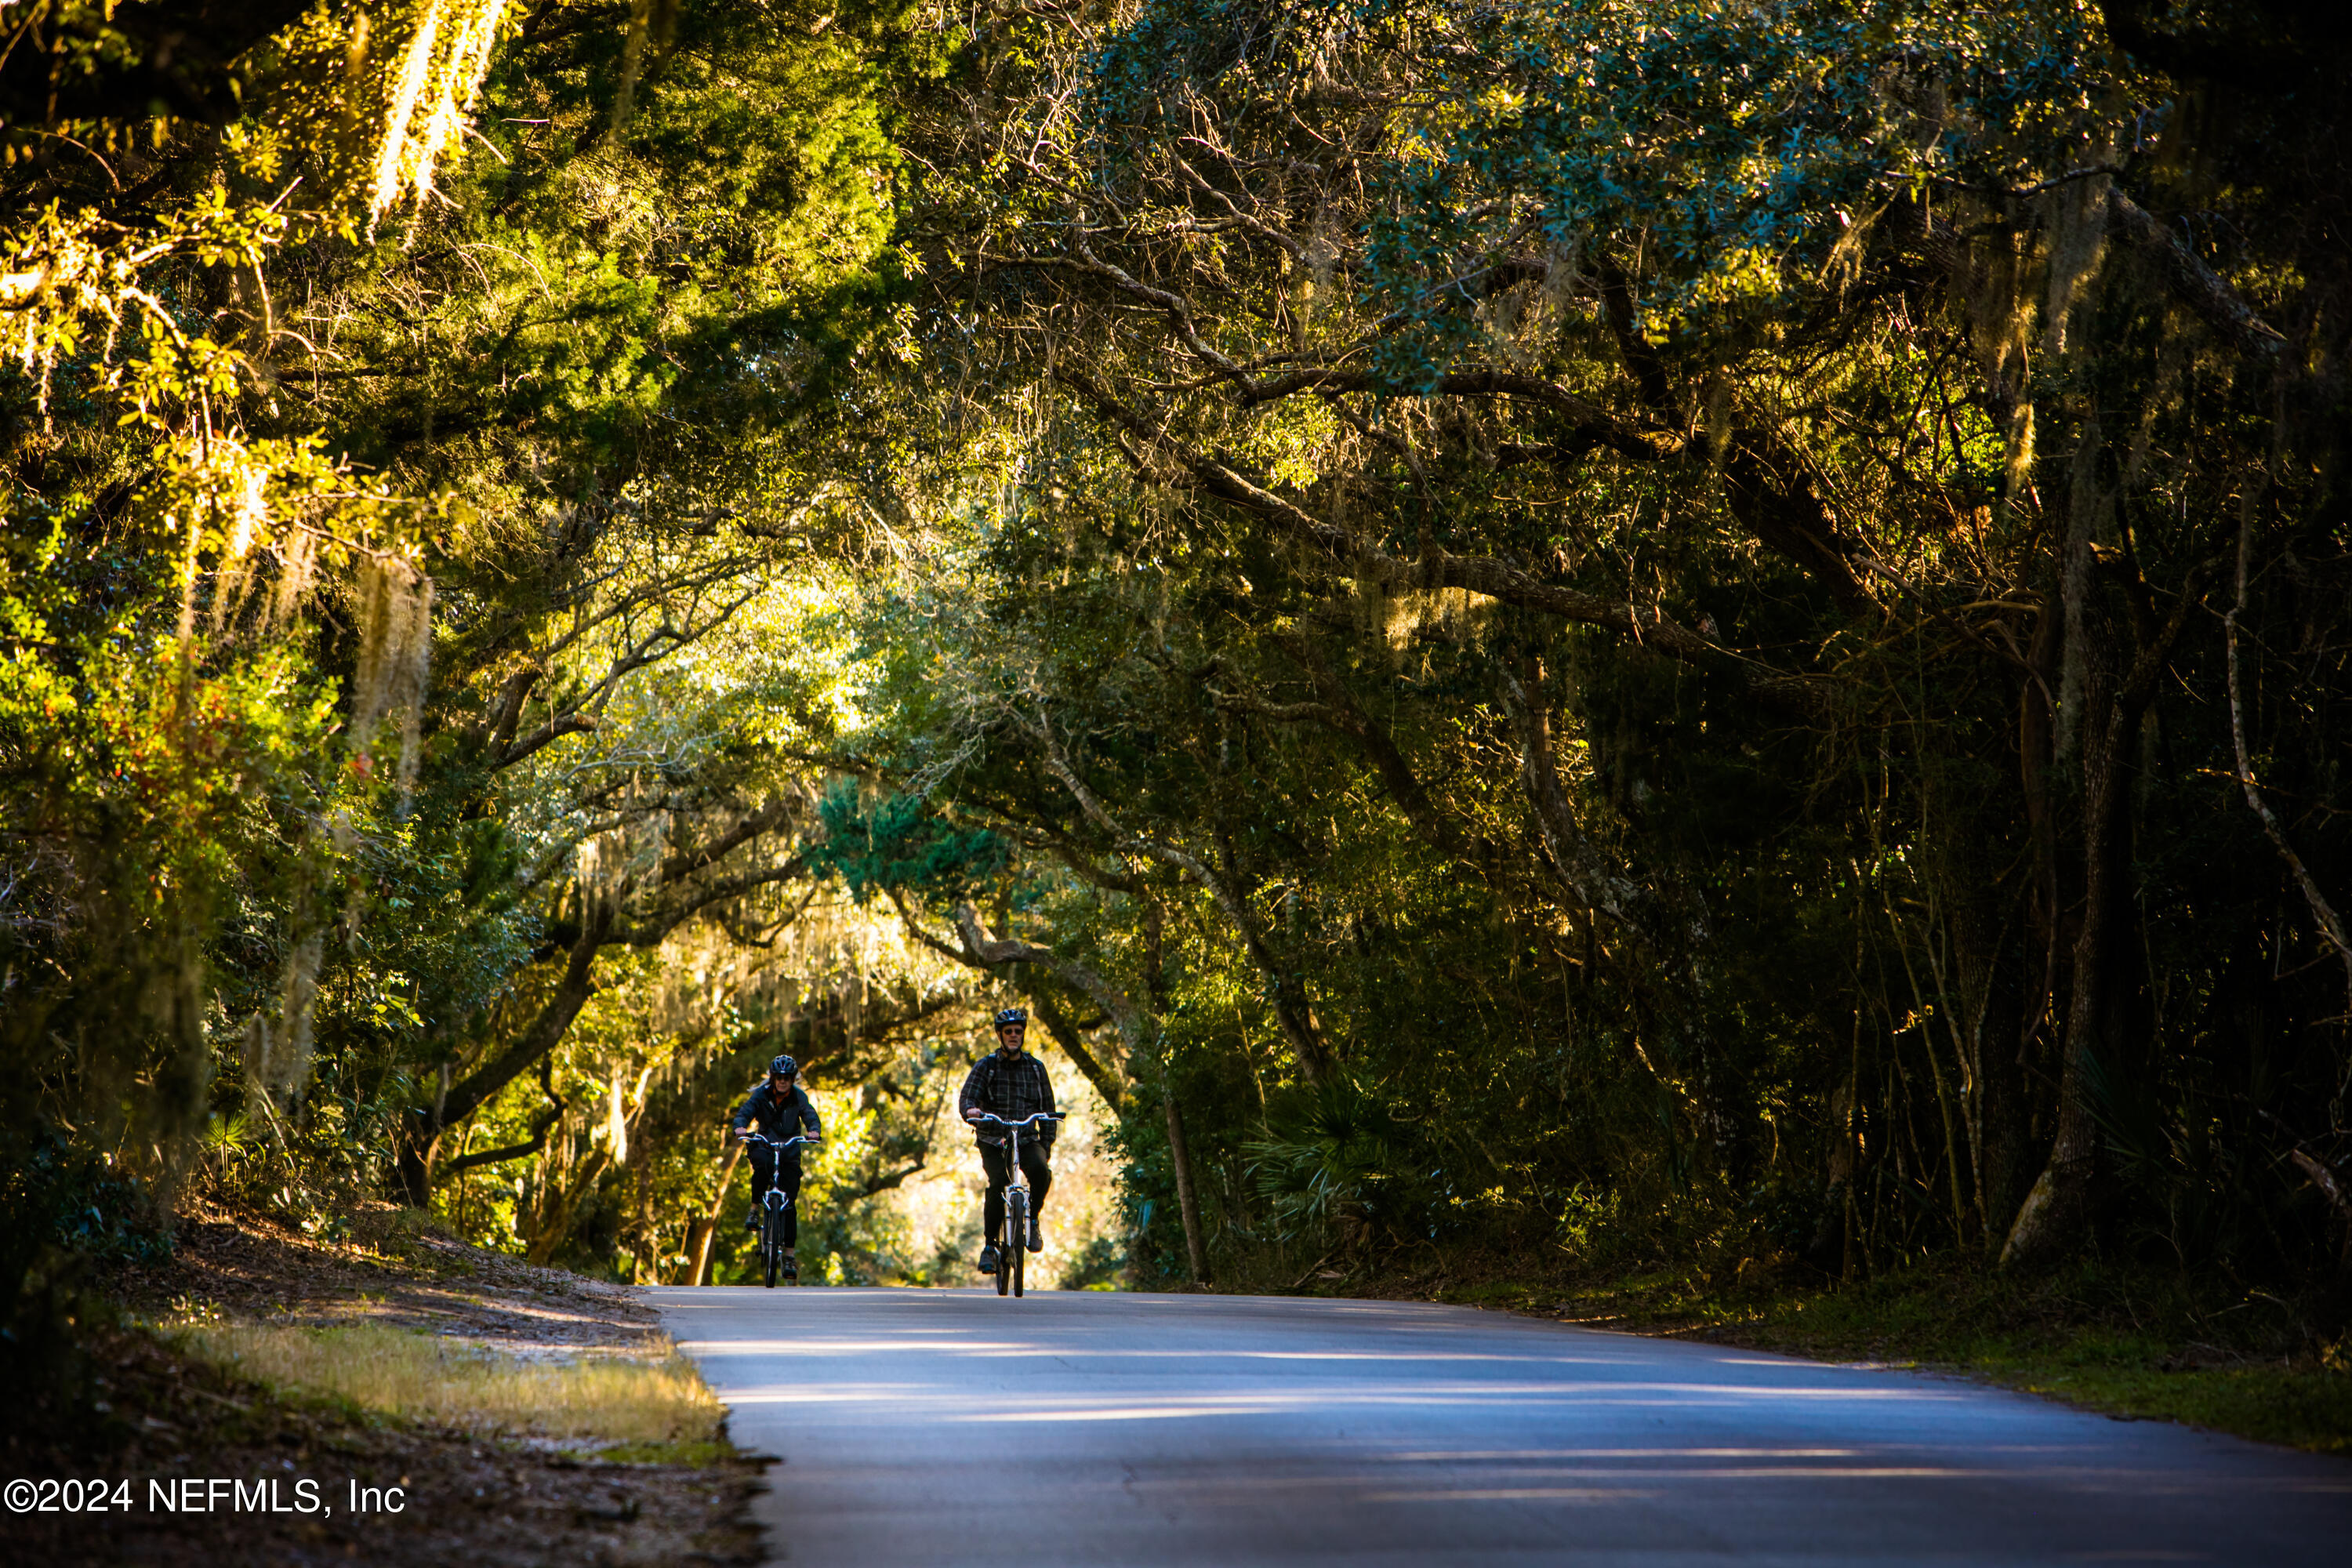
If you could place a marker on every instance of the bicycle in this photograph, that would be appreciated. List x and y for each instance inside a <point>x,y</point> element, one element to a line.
<point>1013,1246</point>
<point>774,1204</point>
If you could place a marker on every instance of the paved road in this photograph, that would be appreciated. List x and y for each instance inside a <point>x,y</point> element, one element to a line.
<point>938,1428</point>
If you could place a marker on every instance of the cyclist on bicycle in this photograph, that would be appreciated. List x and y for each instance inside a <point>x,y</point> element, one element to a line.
<point>1010,1083</point>
<point>779,1107</point>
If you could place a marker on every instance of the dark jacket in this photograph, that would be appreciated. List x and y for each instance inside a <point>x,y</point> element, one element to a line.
<point>1011,1089</point>
<point>778,1117</point>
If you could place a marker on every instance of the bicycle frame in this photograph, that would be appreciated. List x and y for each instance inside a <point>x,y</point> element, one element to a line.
<point>1013,1247</point>
<point>773,1204</point>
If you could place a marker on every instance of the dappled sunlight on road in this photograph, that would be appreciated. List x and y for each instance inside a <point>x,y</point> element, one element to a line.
<point>1238,1432</point>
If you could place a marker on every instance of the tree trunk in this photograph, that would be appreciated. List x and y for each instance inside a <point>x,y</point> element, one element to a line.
<point>2057,1211</point>
<point>1179,1156</point>
<point>421,1141</point>
<point>413,1165</point>
<point>543,1033</point>
<point>1285,987</point>
<point>1672,946</point>
<point>705,1226</point>
<point>558,1223</point>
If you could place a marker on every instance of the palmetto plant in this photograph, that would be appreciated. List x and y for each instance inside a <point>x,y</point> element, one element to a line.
<point>1327,1154</point>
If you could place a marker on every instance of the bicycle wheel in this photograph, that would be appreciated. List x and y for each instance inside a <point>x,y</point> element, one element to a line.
<point>770,1252</point>
<point>1020,1266</point>
<point>1016,1231</point>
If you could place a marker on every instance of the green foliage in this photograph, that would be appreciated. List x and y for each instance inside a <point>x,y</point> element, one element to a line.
<point>899,845</point>
<point>55,1196</point>
<point>64,1208</point>
<point>334,425</point>
<point>1547,565</point>
<point>1097,1265</point>
<point>1330,1152</point>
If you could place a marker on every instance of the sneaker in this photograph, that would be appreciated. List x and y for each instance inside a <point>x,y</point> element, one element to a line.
<point>792,1267</point>
<point>1036,1237</point>
<point>751,1220</point>
<point>988,1260</point>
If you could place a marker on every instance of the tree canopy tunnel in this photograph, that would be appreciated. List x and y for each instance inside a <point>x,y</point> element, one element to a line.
<point>1622,634</point>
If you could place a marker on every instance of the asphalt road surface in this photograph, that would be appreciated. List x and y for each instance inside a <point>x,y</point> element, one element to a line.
<point>938,1428</point>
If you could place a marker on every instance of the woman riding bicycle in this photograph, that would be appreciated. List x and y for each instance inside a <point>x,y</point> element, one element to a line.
<point>779,1107</point>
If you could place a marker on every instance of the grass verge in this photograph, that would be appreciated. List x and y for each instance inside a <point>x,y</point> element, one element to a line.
<point>2127,1342</point>
<point>651,1403</point>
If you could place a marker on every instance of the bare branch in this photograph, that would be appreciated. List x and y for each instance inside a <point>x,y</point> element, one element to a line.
<point>2193,283</point>
<point>651,931</point>
<point>2330,924</point>
<point>555,729</point>
<point>1806,696</point>
<point>686,862</point>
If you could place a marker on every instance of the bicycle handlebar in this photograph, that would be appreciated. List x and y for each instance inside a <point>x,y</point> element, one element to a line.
<point>1033,1116</point>
<point>751,1137</point>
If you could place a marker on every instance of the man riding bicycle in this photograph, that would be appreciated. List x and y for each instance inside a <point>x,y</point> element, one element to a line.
<point>779,1107</point>
<point>1010,1083</point>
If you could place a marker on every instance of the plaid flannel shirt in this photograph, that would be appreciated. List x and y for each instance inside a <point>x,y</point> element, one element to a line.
<point>1011,1089</point>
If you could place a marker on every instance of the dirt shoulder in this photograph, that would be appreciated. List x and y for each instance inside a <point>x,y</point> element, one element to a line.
<point>167,1455</point>
<point>388,1268</point>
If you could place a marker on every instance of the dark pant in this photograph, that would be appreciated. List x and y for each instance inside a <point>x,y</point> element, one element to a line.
<point>996,1159</point>
<point>763,1160</point>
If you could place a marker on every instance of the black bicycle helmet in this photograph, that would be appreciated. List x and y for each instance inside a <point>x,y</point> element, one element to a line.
<point>783,1067</point>
<point>1013,1015</point>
